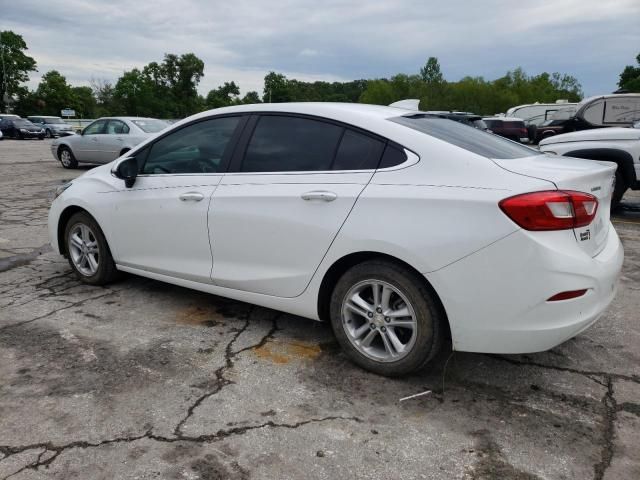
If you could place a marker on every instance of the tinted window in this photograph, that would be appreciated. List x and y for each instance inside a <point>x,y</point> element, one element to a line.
<point>196,148</point>
<point>468,138</point>
<point>357,152</point>
<point>392,156</point>
<point>291,144</point>
<point>117,127</point>
<point>95,128</point>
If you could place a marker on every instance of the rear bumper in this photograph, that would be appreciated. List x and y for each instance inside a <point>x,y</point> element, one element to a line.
<point>496,298</point>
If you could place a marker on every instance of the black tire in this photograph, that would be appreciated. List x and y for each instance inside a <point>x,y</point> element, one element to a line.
<point>67,161</point>
<point>619,190</point>
<point>48,133</point>
<point>41,137</point>
<point>429,316</point>
<point>106,271</point>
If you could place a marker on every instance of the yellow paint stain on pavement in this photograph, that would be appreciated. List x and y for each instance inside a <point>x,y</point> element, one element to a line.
<point>281,353</point>
<point>198,316</point>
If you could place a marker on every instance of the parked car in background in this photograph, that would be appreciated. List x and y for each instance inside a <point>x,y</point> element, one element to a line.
<point>467,118</point>
<point>398,227</point>
<point>104,140</point>
<point>9,116</point>
<point>20,128</point>
<point>1,136</point>
<point>508,127</point>
<point>615,110</point>
<point>53,126</point>
<point>618,145</point>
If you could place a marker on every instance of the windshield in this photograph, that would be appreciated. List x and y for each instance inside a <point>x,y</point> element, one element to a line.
<point>150,125</point>
<point>53,120</point>
<point>23,123</point>
<point>468,138</point>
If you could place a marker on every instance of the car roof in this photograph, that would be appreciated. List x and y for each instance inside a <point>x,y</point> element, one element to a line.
<point>508,119</point>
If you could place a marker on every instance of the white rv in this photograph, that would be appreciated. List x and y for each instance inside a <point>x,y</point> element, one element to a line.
<point>537,113</point>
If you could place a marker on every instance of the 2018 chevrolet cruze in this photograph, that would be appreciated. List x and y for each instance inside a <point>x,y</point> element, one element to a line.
<point>400,228</point>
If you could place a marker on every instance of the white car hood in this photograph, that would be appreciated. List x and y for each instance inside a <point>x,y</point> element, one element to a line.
<point>612,133</point>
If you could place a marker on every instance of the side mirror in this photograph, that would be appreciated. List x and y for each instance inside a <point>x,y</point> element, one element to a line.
<point>127,170</point>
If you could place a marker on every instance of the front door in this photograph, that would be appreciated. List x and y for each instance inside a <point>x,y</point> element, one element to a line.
<point>160,225</point>
<point>87,147</point>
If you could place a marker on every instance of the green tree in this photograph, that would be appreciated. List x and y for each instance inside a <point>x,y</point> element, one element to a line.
<point>378,92</point>
<point>630,77</point>
<point>55,93</point>
<point>431,73</point>
<point>251,97</point>
<point>223,96</point>
<point>103,92</point>
<point>83,102</point>
<point>276,88</point>
<point>15,66</point>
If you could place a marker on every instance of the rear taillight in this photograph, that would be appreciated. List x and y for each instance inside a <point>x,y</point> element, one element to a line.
<point>551,210</point>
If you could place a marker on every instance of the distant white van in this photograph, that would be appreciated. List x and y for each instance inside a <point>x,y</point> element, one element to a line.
<point>537,113</point>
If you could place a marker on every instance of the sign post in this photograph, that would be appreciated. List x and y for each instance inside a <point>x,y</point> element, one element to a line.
<point>68,112</point>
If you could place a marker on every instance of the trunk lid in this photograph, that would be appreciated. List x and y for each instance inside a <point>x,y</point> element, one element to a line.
<point>588,176</point>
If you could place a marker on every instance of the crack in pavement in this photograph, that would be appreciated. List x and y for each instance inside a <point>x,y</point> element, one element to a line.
<point>14,261</point>
<point>608,401</point>
<point>609,418</point>
<point>229,357</point>
<point>53,312</point>
<point>56,450</point>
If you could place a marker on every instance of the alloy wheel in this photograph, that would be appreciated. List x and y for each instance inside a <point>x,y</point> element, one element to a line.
<point>379,320</point>
<point>84,250</point>
<point>65,157</point>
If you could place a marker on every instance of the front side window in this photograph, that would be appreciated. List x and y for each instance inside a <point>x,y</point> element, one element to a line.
<point>291,144</point>
<point>95,128</point>
<point>196,148</point>
<point>468,138</point>
<point>117,127</point>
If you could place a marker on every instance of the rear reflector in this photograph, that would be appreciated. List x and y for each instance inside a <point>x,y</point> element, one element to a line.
<point>551,210</point>
<point>567,295</point>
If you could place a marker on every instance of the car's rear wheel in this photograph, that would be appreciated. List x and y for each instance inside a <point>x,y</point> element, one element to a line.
<point>88,251</point>
<point>66,158</point>
<point>385,318</point>
<point>48,133</point>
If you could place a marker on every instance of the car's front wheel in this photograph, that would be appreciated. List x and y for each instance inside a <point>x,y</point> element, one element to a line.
<point>66,158</point>
<point>88,251</point>
<point>385,318</point>
<point>48,133</point>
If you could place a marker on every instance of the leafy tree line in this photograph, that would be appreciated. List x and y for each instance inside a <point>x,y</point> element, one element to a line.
<point>168,89</point>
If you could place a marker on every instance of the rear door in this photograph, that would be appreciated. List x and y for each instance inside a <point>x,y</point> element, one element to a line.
<point>273,218</point>
<point>113,141</point>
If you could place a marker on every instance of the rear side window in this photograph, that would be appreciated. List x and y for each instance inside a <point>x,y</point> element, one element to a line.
<point>392,156</point>
<point>291,144</point>
<point>469,138</point>
<point>358,152</point>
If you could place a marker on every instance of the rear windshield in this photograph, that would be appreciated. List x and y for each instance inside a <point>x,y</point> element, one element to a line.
<point>151,125</point>
<point>463,136</point>
<point>19,122</point>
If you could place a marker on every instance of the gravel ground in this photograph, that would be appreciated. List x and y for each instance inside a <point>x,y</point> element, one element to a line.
<point>146,380</point>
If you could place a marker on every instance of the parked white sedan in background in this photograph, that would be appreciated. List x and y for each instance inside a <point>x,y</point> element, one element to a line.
<point>400,228</point>
<point>105,140</point>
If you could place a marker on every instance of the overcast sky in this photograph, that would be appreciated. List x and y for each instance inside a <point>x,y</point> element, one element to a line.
<point>241,40</point>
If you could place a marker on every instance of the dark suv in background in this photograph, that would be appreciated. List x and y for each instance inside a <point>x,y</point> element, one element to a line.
<point>508,127</point>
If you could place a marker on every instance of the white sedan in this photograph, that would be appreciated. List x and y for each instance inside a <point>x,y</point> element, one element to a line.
<point>105,140</point>
<point>402,229</point>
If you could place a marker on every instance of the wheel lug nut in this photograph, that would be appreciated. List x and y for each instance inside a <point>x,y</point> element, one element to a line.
<point>373,326</point>
<point>379,310</point>
<point>384,329</point>
<point>387,319</point>
<point>370,314</point>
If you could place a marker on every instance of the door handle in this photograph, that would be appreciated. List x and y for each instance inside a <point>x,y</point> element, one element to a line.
<point>191,197</point>
<point>119,139</point>
<point>320,195</point>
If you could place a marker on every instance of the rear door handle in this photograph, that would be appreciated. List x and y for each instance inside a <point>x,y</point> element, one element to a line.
<point>320,195</point>
<point>191,197</point>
